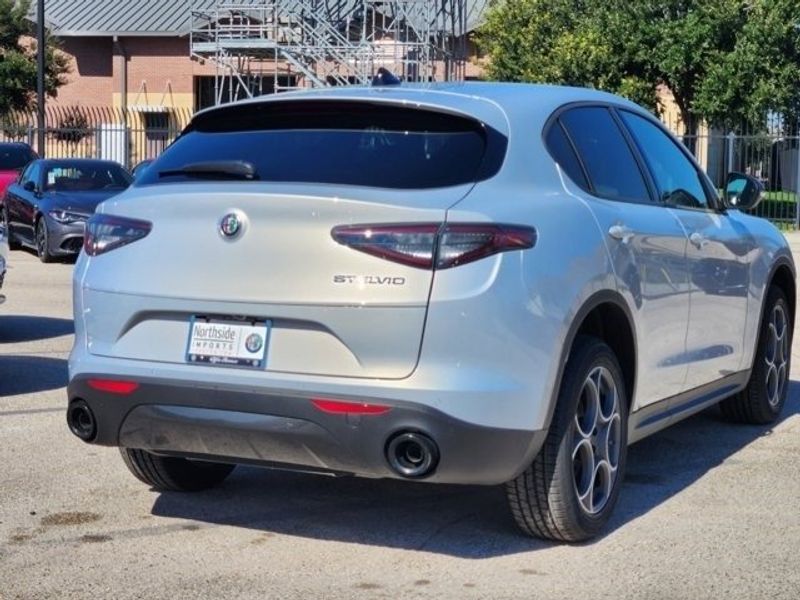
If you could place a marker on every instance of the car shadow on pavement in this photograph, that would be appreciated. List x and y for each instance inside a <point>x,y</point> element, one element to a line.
<point>27,328</point>
<point>69,259</point>
<point>462,521</point>
<point>27,374</point>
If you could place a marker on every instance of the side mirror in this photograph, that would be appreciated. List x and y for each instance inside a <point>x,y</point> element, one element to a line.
<point>743,192</point>
<point>29,186</point>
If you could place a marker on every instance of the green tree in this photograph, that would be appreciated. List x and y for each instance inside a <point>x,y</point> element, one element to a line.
<point>762,73</point>
<point>561,41</point>
<point>18,59</point>
<point>723,60</point>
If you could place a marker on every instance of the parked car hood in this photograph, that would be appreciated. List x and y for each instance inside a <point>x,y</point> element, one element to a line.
<point>81,202</point>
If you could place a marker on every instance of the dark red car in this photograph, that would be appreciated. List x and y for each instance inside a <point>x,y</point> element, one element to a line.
<point>13,158</point>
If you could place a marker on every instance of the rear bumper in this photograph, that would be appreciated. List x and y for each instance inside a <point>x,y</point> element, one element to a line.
<point>240,425</point>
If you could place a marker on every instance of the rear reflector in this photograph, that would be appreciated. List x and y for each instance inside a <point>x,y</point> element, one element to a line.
<point>336,407</point>
<point>112,386</point>
<point>439,245</point>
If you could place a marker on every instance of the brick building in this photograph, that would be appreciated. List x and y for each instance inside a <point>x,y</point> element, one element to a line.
<point>133,54</point>
<point>139,55</point>
<point>139,69</point>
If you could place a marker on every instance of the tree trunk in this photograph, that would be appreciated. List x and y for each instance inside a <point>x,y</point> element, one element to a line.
<point>691,123</point>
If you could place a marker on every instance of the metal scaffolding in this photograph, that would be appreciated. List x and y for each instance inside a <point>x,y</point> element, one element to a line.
<point>262,46</point>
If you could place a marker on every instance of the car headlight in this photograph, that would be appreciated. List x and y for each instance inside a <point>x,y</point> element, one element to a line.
<point>66,217</point>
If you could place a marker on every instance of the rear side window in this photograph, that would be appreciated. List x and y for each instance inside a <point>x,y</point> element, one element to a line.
<point>612,169</point>
<point>335,142</point>
<point>14,158</point>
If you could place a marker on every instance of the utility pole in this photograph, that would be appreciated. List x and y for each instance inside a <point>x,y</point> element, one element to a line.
<point>40,73</point>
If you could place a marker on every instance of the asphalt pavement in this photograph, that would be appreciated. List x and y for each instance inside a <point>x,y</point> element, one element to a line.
<point>708,509</point>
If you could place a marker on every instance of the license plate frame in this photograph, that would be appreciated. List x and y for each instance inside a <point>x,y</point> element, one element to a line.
<point>220,341</point>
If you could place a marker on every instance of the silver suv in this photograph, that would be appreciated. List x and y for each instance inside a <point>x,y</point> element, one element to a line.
<point>463,283</point>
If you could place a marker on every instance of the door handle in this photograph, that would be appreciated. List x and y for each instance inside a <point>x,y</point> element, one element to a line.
<point>620,232</point>
<point>698,240</point>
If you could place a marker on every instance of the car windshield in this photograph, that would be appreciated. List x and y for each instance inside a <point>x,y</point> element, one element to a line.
<point>15,157</point>
<point>85,178</point>
<point>345,143</point>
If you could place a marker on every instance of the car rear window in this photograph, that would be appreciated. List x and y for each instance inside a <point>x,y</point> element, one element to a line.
<point>15,157</point>
<point>336,142</point>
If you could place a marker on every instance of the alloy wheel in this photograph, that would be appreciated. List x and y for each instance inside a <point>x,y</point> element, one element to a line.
<point>41,239</point>
<point>596,440</point>
<point>776,354</point>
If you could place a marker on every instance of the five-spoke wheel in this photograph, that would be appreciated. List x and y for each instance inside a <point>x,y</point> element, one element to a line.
<point>596,437</point>
<point>776,354</point>
<point>570,489</point>
<point>763,398</point>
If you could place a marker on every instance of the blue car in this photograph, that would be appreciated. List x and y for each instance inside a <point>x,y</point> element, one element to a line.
<point>48,206</point>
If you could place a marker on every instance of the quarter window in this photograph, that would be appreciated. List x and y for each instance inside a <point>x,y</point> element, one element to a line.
<point>676,177</point>
<point>612,169</point>
<point>561,150</point>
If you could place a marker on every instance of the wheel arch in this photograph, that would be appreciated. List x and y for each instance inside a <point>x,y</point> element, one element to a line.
<point>37,216</point>
<point>606,316</point>
<point>782,275</point>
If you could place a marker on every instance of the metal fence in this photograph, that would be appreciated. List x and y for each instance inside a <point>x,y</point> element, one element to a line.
<point>126,136</point>
<point>130,136</point>
<point>769,153</point>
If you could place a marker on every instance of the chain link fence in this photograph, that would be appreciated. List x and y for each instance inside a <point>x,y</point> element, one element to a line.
<point>133,135</point>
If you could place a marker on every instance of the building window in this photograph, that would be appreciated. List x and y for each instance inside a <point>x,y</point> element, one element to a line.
<point>156,133</point>
<point>230,89</point>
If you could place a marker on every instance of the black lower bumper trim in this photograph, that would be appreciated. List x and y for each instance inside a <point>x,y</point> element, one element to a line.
<point>241,425</point>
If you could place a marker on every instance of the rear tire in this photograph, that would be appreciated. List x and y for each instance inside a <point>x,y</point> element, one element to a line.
<point>762,400</point>
<point>569,491</point>
<point>171,473</point>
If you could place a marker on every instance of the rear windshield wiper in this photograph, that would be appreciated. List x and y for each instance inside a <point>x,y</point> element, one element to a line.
<point>215,169</point>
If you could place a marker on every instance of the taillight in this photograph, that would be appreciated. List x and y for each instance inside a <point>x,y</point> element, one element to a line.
<point>462,243</point>
<point>107,232</point>
<point>443,245</point>
<point>409,244</point>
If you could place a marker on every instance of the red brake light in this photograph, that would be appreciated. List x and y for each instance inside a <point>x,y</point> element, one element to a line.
<point>107,232</point>
<point>113,386</point>
<point>336,407</point>
<point>425,245</point>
